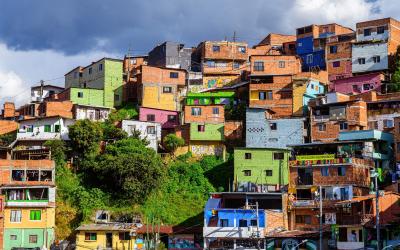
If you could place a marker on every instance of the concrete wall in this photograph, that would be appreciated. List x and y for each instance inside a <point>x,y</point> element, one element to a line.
<point>91,97</point>
<point>201,148</point>
<point>87,112</point>
<point>367,51</point>
<point>161,116</point>
<point>212,132</point>
<point>83,244</point>
<point>154,139</point>
<point>22,237</point>
<point>346,85</point>
<point>171,55</point>
<point>39,129</point>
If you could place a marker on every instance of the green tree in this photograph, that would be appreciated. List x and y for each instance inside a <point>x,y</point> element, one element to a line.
<point>126,112</point>
<point>85,138</point>
<point>172,142</point>
<point>395,81</point>
<point>8,138</point>
<point>58,150</point>
<point>111,132</point>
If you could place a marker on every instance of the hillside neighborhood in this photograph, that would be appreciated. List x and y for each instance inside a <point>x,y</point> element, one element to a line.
<point>291,143</point>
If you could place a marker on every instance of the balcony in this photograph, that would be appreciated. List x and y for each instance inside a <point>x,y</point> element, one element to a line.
<point>41,136</point>
<point>328,160</point>
<point>347,220</point>
<point>27,203</point>
<point>233,232</point>
<point>365,135</point>
<point>349,245</point>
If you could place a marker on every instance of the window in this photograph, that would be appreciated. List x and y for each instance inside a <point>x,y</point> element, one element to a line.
<point>247,172</point>
<point>90,71</point>
<point>321,127</point>
<point>376,59</point>
<point>47,128</point>
<point>242,49</point>
<point>151,117</point>
<point>286,95</point>
<point>75,75</point>
<point>173,74</point>
<point>268,172</point>
<point>366,86</point>
<point>278,156</point>
<point>201,128</point>
<point>336,64</point>
<point>343,126</point>
<point>388,123</point>
<point>273,126</point>
<point>116,98</point>
<point>242,223</point>
<point>90,236</point>
<point>80,94</point>
<point>253,223</point>
<point>216,48</point>
<point>57,128</point>
<point>224,222</point>
<point>196,111</point>
<point>367,32</point>
<point>167,89</point>
<point>172,118</point>
<point>380,30</point>
<point>211,64</point>
<point>100,67</point>
<point>355,88</point>
<point>333,49</point>
<point>341,171</point>
<point>247,156</point>
<point>215,111</point>
<point>361,60</point>
<point>133,61</point>
<point>309,59</point>
<point>29,128</point>
<point>33,238</point>
<point>124,236</point>
<point>303,219</point>
<point>15,216</point>
<point>35,215</point>
<point>13,237</point>
<point>281,64</point>
<point>151,130</point>
<point>325,171</point>
<point>236,65</point>
<point>265,95</point>
<point>258,66</point>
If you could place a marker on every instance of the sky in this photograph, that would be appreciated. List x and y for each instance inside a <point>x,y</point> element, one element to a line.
<point>44,39</point>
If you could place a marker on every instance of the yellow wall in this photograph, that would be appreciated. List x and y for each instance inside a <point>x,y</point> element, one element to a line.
<point>154,98</point>
<point>47,218</point>
<point>82,244</point>
<point>299,88</point>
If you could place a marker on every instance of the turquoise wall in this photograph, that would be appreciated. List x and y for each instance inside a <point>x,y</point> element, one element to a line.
<point>23,237</point>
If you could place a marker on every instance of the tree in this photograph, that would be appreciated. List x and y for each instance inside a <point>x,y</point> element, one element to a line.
<point>85,138</point>
<point>8,138</point>
<point>172,142</point>
<point>111,132</point>
<point>58,150</point>
<point>395,85</point>
<point>126,112</point>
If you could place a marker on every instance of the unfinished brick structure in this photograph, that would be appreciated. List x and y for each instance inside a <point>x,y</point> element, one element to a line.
<point>63,108</point>
<point>338,55</point>
<point>131,68</point>
<point>7,126</point>
<point>204,113</point>
<point>8,110</point>
<point>275,44</point>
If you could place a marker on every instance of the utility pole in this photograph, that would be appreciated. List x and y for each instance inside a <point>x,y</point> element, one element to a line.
<point>378,228</point>
<point>320,217</point>
<point>234,36</point>
<point>258,228</point>
<point>41,90</point>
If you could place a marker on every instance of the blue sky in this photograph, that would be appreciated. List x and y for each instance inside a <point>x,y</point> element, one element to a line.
<point>43,39</point>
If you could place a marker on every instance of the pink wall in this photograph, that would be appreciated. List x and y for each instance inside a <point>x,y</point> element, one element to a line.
<point>161,116</point>
<point>345,86</point>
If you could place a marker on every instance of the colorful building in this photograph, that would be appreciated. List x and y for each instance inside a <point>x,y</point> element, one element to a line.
<point>207,139</point>
<point>168,119</point>
<point>338,56</point>
<point>209,98</point>
<point>131,67</point>
<point>260,169</point>
<point>358,84</point>
<point>150,131</point>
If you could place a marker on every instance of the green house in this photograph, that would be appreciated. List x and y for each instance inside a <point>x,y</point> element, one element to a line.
<point>209,98</point>
<point>260,169</point>
<point>206,131</point>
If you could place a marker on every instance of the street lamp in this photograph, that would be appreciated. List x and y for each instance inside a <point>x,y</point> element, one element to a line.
<point>302,242</point>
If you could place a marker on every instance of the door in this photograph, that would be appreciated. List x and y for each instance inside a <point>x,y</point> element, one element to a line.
<point>109,240</point>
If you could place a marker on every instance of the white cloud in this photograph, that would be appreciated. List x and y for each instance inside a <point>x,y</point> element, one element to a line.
<point>19,70</point>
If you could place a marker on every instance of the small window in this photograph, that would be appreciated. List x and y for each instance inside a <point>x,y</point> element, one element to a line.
<point>47,128</point>
<point>322,127</point>
<point>13,237</point>
<point>151,117</point>
<point>258,66</point>
<point>388,123</point>
<point>279,156</point>
<point>380,30</point>
<point>216,48</point>
<point>242,223</point>
<point>262,95</point>
<point>80,94</point>
<point>281,64</point>
<point>236,65</point>
<point>325,171</point>
<point>341,171</point>
<point>361,60</point>
<point>90,236</point>
<point>366,86</point>
<point>90,71</point>
<point>173,74</point>
<point>201,128</point>
<point>35,215</point>
<point>253,223</point>
<point>355,88</point>
<point>333,49</point>
<point>151,130</point>
<point>196,111</point>
<point>100,67</point>
<point>167,89</point>
<point>343,126</point>
<point>268,95</point>
<point>336,64</point>
<point>133,61</point>
<point>15,216</point>
<point>303,219</point>
<point>172,118</point>
<point>215,111</point>
<point>75,75</point>
<point>29,128</point>
<point>376,59</point>
<point>309,59</point>
<point>268,172</point>
<point>224,222</point>
<point>211,64</point>
<point>57,128</point>
<point>247,156</point>
<point>247,172</point>
<point>242,49</point>
<point>33,239</point>
<point>367,32</point>
<point>124,236</point>
<point>273,126</point>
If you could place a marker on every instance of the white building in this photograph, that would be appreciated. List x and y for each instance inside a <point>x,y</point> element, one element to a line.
<point>43,129</point>
<point>38,93</point>
<point>92,113</point>
<point>151,131</point>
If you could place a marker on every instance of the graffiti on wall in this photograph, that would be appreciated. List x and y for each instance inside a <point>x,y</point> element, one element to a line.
<point>200,150</point>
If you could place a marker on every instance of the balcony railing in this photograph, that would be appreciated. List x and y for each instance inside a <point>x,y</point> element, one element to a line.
<point>330,159</point>
<point>233,232</point>
<point>305,180</point>
<point>353,219</point>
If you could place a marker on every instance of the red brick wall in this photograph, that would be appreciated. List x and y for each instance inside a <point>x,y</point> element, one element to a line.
<point>206,114</point>
<point>7,126</point>
<point>292,65</point>
<point>9,110</point>
<point>151,74</point>
<point>63,108</point>
<point>228,50</point>
<point>233,130</point>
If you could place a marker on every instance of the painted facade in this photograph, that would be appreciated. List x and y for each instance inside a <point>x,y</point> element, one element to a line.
<point>262,132</point>
<point>338,56</point>
<point>39,93</point>
<point>201,148</point>
<point>365,57</point>
<point>204,113</point>
<point>209,98</point>
<point>274,65</point>
<point>358,84</point>
<point>92,113</point>
<point>151,131</point>
<point>103,239</point>
<point>168,119</point>
<point>206,131</point>
<point>260,169</point>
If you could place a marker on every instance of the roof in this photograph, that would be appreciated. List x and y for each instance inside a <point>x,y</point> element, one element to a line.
<point>115,226</point>
<point>250,148</point>
<point>136,56</point>
<point>79,67</point>
<point>316,144</point>
<point>47,85</point>
<point>46,117</point>
<point>172,111</point>
<point>104,58</point>
<point>212,94</point>
<point>233,86</point>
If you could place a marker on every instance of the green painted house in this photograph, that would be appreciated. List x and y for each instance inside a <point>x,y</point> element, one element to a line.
<point>206,131</point>
<point>260,169</point>
<point>209,98</point>
<point>23,238</point>
<point>98,84</point>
